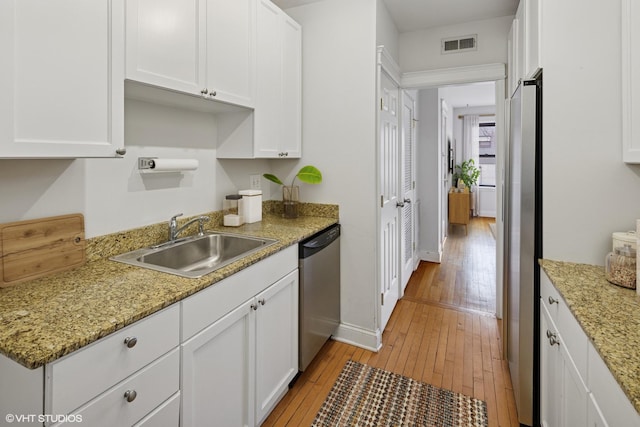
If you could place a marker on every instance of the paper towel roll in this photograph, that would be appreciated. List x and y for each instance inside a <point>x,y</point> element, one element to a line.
<point>174,165</point>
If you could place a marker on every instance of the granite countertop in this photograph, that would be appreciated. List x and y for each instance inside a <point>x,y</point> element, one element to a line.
<point>45,319</point>
<point>609,315</point>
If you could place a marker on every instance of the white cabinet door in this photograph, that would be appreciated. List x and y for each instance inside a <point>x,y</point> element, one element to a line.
<point>166,43</point>
<point>532,42</point>
<point>594,416</point>
<point>231,50</point>
<point>573,392</point>
<point>217,368</point>
<point>277,115</point>
<point>276,342</point>
<point>62,78</point>
<point>291,118</point>
<point>549,377</point>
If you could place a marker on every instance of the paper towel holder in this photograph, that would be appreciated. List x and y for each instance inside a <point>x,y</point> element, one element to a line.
<point>148,165</point>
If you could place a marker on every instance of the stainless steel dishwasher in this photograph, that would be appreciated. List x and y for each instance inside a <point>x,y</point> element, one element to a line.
<point>319,308</point>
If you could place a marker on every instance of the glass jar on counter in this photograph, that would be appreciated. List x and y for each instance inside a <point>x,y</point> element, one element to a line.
<point>620,267</point>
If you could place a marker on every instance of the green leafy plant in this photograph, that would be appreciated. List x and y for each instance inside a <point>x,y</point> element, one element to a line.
<point>467,172</point>
<point>308,174</point>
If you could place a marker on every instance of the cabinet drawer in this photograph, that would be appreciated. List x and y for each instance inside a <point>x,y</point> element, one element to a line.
<point>207,306</point>
<point>81,376</point>
<point>615,407</point>
<point>573,338</point>
<point>550,296</point>
<point>165,415</point>
<point>152,386</point>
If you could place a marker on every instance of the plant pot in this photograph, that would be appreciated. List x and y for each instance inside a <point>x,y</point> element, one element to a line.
<point>290,200</point>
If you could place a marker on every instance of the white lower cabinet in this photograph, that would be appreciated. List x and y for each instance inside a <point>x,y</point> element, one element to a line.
<point>239,367</point>
<point>120,379</point>
<point>576,387</point>
<point>276,343</point>
<point>563,391</point>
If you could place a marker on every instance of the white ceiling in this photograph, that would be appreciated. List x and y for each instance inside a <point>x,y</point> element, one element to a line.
<point>412,15</point>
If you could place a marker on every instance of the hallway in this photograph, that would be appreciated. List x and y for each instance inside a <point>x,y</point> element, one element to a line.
<point>441,333</point>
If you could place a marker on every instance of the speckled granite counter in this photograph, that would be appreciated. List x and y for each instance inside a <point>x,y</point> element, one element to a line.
<point>609,315</point>
<point>45,319</point>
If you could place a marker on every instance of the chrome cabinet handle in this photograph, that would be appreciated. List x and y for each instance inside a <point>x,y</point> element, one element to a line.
<point>213,93</point>
<point>262,301</point>
<point>553,338</point>
<point>283,154</point>
<point>130,395</point>
<point>552,300</point>
<point>254,307</point>
<point>121,151</point>
<point>399,204</point>
<point>130,342</point>
<point>407,200</point>
<point>204,91</point>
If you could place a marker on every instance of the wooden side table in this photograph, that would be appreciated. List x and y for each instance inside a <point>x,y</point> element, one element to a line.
<point>459,208</point>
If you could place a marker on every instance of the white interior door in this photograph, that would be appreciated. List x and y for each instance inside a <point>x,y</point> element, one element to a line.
<point>444,174</point>
<point>389,199</point>
<point>408,183</point>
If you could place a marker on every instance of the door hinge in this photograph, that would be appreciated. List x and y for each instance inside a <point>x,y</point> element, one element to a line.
<point>382,200</point>
<point>382,299</point>
<point>381,101</point>
<point>413,184</point>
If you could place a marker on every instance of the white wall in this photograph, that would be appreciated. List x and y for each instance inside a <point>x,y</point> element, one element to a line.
<point>420,50</point>
<point>427,178</point>
<point>111,193</point>
<point>339,77</point>
<point>386,31</point>
<point>588,191</point>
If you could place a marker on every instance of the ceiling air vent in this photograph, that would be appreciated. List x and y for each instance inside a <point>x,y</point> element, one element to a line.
<point>460,44</point>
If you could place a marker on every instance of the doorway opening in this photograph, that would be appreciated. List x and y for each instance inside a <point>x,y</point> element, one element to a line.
<point>465,265</point>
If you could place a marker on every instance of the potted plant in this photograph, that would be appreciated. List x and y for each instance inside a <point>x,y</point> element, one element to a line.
<point>290,195</point>
<point>467,172</point>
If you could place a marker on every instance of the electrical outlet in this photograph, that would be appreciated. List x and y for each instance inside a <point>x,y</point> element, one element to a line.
<point>255,181</point>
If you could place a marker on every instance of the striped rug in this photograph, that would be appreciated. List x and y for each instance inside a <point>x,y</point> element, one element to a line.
<point>367,396</point>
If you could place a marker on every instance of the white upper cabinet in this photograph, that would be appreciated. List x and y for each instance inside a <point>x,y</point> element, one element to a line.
<point>277,119</point>
<point>165,43</point>
<point>62,78</point>
<point>630,85</point>
<point>200,47</point>
<point>525,52</point>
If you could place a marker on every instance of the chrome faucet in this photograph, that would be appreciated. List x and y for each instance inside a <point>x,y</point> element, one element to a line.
<point>174,230</point>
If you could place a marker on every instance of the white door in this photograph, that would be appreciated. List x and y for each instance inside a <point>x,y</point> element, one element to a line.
<point>444,173</point>
<point>389,199</point>
<point>217,369</point>
<point>407,222</point>
<point>276,342</point>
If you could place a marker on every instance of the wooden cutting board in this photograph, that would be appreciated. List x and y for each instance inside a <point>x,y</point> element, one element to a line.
<point>39,247</point>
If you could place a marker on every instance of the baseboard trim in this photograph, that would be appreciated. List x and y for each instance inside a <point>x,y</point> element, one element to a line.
<point>364,338</point>
<point>430,256</point>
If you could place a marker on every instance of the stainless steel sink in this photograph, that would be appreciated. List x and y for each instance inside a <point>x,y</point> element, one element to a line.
<point>195,256</point>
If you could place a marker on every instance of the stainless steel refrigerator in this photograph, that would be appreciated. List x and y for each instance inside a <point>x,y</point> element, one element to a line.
<point>523,246</point>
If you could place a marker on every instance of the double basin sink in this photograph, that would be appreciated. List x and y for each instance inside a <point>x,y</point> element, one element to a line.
<point>195,256</point>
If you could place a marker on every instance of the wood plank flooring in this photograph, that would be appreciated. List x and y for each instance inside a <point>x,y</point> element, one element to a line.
<point>442,332</point>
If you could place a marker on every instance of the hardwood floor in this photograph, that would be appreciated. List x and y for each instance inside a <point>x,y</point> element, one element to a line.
<point>442,332</point>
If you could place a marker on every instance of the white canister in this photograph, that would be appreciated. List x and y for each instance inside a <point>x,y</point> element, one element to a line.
<point>251,205</point>
<point>621,238</point>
